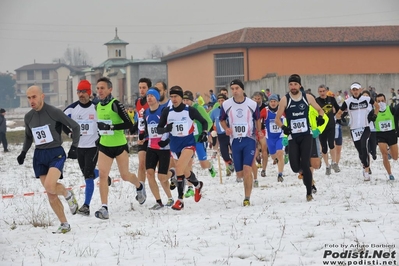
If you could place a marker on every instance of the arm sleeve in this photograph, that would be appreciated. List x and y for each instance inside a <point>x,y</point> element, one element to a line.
<point>195,115</point>
<point>66,129</point>
<point>162,121</point>
<point>344,106</point>
<point>28,137</point>
<point>223,115</point>
<point>118,107</point>
<point>67,121</point>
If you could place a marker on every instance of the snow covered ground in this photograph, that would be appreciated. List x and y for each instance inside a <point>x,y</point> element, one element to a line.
<point>347,217</point>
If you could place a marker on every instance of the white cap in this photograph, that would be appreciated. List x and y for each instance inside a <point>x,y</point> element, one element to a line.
<point>356,86</point>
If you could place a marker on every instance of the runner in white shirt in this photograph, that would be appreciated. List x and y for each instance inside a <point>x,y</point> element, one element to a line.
<point>359,108</point>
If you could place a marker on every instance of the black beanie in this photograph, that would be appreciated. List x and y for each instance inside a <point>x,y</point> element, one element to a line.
<point>188,95</point>
<point>176,90</point>
<point>295,78</point>
<point>237,82</point>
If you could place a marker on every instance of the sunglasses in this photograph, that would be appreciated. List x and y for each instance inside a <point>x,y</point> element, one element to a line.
<point>81,91</point>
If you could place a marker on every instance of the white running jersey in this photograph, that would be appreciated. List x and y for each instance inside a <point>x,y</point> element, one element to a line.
<point>86,117</point>
<point>241,117</point>
<point>358,110</point>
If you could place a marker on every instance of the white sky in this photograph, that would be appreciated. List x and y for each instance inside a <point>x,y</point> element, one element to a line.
<point>42,30</point>
<point>279,228</point>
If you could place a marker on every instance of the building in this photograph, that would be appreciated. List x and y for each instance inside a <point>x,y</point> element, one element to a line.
<point>255,53</point>
<point>52,78</point>
<point>124,73</point>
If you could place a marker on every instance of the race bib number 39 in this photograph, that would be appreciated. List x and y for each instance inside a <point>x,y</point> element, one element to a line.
<point>42,135</point>
<point>299,125</point>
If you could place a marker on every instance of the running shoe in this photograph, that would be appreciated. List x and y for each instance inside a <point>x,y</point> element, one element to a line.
<point>173,179</point>
<point>102,213</point>
<point>256,183</point>
<point>64,228</point>
<point>157,206</point>
<point>72,203</point>
<point>366,176</point>
<point>286,160</point>
<point>391,177</point>
<point>198,194</point>
<point>228,172</point>
<point>328,170</point>
<point>335,167</point>
<point>169,203</point>
<point>141,194</point>
<point>179,205</point>
<point>246,203</point>
<point>309,197</point>
<point>84,210</point>
<point>263,173</point>
<point>280,178</point>
<point>230,166</point>
<point>212,171</point>
<point>189,193</point>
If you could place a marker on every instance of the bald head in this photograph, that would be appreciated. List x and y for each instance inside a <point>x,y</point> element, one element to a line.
<point>34,88</point>
<point>35,97</point>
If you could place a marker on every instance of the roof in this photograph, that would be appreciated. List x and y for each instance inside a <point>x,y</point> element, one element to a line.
<point>38,66</point>
<point>305,36</point>
<point>119,62</point>
<point>116,39</point>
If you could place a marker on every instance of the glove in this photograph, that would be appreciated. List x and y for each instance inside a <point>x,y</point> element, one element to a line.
<point>372,117</point>
<point>285,141</point>
<point>320,120</point>
<point>73,153</point>
<point>203,137</point>
<point>141,136</point>
<point>339,121</point>
<point>169,127</point>
<point>103,126</point>
<point>163,143</point>
<point>21,157</point>
<point>315,133</point>
<point>286,130</point>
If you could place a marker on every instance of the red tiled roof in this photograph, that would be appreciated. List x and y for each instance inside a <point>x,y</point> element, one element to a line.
<point>38,66</point>
<point>294,37</point>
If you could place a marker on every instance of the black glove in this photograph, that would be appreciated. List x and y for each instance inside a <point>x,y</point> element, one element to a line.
<point>203,137</point>
<point>372,116</point>
<point>163,143</point>
<point>320,120</point>
<point>169,127</point>
<point>21,157</point>
<point>141,135</point>
<point>73,153</point>
<point>343,119</point>
<point>286,130</point>
<point>339,121</point>
<point>103,126</point>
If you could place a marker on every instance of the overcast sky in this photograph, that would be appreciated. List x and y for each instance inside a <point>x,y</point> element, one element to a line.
<point>43,29</point>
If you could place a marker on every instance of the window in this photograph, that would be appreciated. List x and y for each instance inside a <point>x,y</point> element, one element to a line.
<point>116,53</point>
<point>46,87</point>
<point>31,75</point>
<point>120,53</point>
<point>45,74</point>
<point>228,67</point>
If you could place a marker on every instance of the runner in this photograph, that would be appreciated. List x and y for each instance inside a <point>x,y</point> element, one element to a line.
<point>132,130</point>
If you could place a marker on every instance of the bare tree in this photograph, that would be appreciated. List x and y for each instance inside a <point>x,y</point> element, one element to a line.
<point>75,56</point>
<point>154,52</point>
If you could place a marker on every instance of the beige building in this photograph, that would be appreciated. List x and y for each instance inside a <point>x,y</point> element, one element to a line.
<point>52,78</point>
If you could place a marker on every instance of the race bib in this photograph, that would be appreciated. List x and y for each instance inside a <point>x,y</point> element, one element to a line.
<point>240,130</point>
<point>42,135</point>
<point>357,133</point>
<point>299,125</point>
<point>152,131</point>
<point>273,127</point>
<point>106,132</point>
<point>385,125</point>
<point>180,128</point>
<point>86,127</point>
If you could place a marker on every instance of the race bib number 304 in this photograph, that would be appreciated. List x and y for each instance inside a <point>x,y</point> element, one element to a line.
<point>42,135</point>
<point>299,125</point>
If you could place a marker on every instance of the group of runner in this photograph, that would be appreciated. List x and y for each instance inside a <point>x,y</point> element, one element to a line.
<point>171,131</point>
